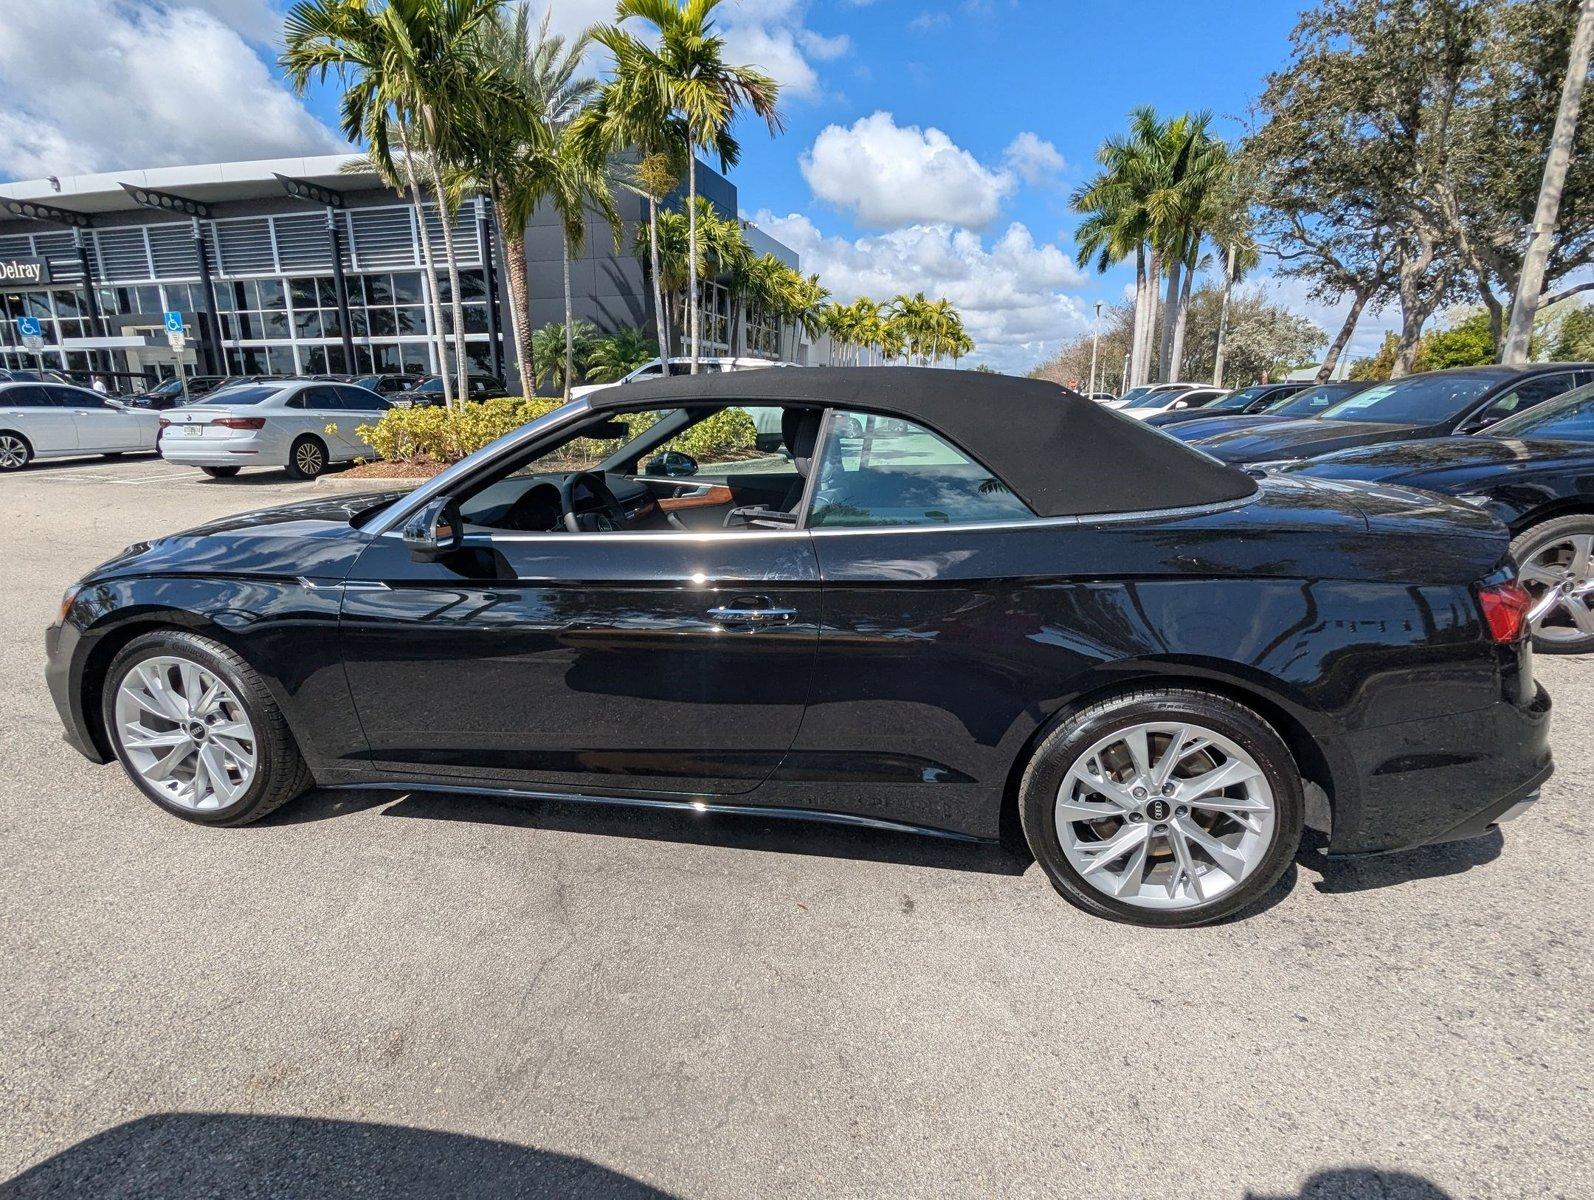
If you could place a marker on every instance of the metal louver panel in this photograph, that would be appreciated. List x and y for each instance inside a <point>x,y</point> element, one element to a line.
<point>123,256</point>
<point>466,249</point>
<point>302,243</point>
<point>383,237</point>
<point>245,246</point>
<point>61,251</point>
<point>172,247</point>
<point>18,245</point>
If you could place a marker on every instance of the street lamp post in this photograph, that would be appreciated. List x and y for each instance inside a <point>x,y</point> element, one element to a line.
<point>1095,337</point>
<point>1123,382</point>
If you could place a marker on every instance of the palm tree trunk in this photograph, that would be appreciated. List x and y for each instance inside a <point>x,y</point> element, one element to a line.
<point>1179,321</point>
<point>658,290</point>
<point>1223,320</point>
<point>1530,282</point>
<point>1170,314</point>
<point>1137,331</point>
<point>429,275</point>
<point>695,315</point>
<point>514,249</point>
<point>451,260</point>
<point>570,333</point>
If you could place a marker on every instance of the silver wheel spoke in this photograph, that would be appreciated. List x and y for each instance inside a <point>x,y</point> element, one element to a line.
<point>143,739</point>
<point>1226,860</point>
<point>1230,773</point>
<point>1537,573</point>
<point>1105,788</point>
<point>182,730</point>
<point>1547,604</point>
<point>1134,872</point>
<point>164,766</point>
<point>1114,847</point>
<point>1578,609</point>
<point>1184,867</point>
<point>1582,552</point>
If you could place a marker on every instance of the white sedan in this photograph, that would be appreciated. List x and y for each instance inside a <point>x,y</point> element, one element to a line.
<point>303,425</point>
<point>1172,400</point>
<point>654,369</point>
<point>57,420</point>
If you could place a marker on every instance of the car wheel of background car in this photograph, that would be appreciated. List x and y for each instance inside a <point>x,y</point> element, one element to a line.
<point>220,472</point>
<point>1165,807</point>
<point>15,453</point>
<point>1556,560</point>
<point>198,732</point>
<point>307,458</point>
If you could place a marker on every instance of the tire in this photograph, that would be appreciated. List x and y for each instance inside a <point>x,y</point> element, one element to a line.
<point>1167,893</point>
<point>113,454</point>
<point>1549,556</point>
<point>307,457</point>
<point>16,452</point>
<point>278,771</point>
<point>220,472</point>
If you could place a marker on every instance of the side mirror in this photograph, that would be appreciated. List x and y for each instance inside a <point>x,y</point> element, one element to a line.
<point>118,405</point>
<point>435,531</point>
<point>672,464</point>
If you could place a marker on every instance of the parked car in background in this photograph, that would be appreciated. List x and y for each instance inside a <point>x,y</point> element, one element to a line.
<point>1258,398</point>
<point>1135,395</point>
<point>58,420</point>
<point>657,369</point>
<point>389,384</point>
<point>168,393</point>
<point>1304,405</point>
<point>430,390</point>
<point>1535,473</point>
<point>1433,404</point>
<point>1192,399</point>
<point>920,624</point>
<point>1100,397</point>
<point>303,425</point>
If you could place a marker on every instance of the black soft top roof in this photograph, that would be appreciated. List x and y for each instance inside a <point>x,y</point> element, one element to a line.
<point>1062,454</point>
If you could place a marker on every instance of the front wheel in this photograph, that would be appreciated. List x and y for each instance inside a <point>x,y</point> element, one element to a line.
<point>1556,561</point>
<point>15,453</point>
<point>198,732</point>
<point>1166,807</point>
<point>307,458</point>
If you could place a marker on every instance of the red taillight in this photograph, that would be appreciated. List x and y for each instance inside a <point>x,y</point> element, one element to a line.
<point>164,422</point>
<point>240,422</point>
<point>1505,610</point>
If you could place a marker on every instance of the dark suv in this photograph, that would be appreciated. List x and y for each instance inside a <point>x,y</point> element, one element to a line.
<point>430,390</point>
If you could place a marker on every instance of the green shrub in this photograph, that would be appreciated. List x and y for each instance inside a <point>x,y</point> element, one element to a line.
<point>428,434</point>
<point>727,434</point>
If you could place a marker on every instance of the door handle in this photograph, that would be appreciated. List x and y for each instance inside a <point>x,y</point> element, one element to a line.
<point>752,613</point>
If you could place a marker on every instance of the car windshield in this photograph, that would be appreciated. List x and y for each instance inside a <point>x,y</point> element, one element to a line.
<point>1132,397</point>
<point>1241,399</point>
<point>1570,417</point>
<point>434,384</point>
<point>1314,401</point>
<point>241,394</point>
<point>1416,400</point>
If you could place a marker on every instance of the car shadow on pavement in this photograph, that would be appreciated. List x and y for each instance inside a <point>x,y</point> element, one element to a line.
<point>1360,1183</point>
<point>775,835</point>
<point>1387,870</point>
<point>176,1156</point>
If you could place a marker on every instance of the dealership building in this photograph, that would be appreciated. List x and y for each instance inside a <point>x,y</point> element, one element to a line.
<point>299,266</point>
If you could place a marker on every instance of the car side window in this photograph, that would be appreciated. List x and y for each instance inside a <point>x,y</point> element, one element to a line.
<point>25,396</point>
<point>323,398</point>
<point>884,471</point>
<point>1524,396</point>
<point>360,400</point>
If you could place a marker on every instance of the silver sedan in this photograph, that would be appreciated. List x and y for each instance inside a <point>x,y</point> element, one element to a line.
<point>57,420</point>
<point>303,425</point>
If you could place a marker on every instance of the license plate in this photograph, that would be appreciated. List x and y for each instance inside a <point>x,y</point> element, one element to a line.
<point>193,431</point>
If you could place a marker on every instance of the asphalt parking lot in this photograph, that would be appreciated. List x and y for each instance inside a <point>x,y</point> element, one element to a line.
<point>392,995</point>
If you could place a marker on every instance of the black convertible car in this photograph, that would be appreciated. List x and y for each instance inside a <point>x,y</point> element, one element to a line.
<point>954,604</point>
<point>1535,473</point>
<point>1433,404</point>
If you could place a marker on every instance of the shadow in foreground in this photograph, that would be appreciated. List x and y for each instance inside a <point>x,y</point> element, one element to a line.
<point>1404,866</point>
<point>1360,1183</point>
<point>737,832</point>
<point>178,1156</point>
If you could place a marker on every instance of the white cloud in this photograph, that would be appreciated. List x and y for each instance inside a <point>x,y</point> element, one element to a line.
<point>1009,292</point>
<point>825,48</point>
<point>773,36</point>
<point>926,22</point>
<point>99,84</point>
<point>889,175</point>
<point>1033,159</point>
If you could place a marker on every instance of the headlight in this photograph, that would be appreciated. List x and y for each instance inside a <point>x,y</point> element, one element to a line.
<point>66,602</point>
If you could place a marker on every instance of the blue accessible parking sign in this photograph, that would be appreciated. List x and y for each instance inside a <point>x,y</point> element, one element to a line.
<point>30,327</point>
<point>174,322</point>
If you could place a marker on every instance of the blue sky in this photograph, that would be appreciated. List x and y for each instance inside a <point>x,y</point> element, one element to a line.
<point>928,145</point>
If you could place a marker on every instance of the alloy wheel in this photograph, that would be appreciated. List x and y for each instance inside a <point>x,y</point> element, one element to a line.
<point>1559,575</point>
<point>308,458</point>
<point>185,733</point>
<point>13,452</point>
<point>1165,815</point>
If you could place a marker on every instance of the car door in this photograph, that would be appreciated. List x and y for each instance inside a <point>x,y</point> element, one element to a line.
<point>359,406</point>
<point>597,662</point>
<point>1535,389</point>
<point>314,409</point>
<point>33,412</point>
<point>101,427</point>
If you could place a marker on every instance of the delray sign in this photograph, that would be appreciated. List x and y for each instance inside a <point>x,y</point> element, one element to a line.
<point>19,274</point>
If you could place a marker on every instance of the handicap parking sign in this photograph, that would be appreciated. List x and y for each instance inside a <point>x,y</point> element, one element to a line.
<point>174,322</point>
<point>29,327</point>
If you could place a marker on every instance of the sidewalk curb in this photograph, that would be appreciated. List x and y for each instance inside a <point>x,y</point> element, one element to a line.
<point>367,483</point>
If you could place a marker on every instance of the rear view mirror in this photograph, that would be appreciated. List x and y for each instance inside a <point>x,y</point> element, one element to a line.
<point>606,431</point>
<point>436,530</point>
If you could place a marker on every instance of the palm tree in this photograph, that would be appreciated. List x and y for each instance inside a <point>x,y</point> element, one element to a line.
<point>544,92</point>
<point>623,351</point>
<point>572,182</point>
<point>549,345</point>
<point>685,78</point>
<point>410,67</point>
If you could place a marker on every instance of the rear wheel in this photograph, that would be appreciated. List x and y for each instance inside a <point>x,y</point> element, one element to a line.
<point>15,452</point>
<point>307,458</point>
<point>1164,807</point>
<point>220,472</point>
<point>1556,560</point>
<point>198,732</point>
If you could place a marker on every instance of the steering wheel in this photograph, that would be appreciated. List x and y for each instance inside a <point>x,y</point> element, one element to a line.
<point>609,516</point>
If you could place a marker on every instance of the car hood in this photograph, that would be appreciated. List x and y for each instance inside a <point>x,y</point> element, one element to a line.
<point>1302,439</point>
<point>313,539</point>
<point>1425,462</point>
<point>1205,427</point>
